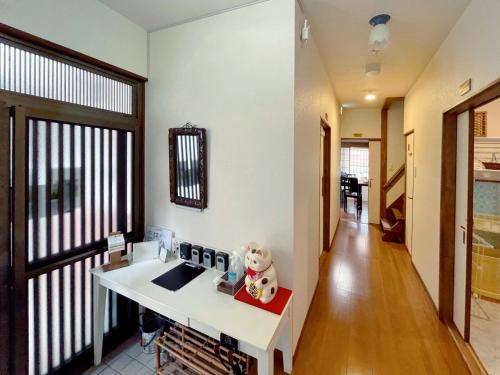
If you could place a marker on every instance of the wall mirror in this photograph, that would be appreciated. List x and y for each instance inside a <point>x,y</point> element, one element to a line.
<point>188,166</point>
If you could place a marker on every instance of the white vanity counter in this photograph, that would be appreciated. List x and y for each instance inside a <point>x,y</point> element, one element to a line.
<point>488,175</point>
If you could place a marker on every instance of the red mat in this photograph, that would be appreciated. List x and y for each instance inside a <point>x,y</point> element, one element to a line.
<point>276,306</point>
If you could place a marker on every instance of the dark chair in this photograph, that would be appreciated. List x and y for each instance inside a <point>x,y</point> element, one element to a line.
<point>353,190</point>
<point>344,186</point>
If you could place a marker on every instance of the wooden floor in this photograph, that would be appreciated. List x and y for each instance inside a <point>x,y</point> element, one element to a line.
<point>371,315</point>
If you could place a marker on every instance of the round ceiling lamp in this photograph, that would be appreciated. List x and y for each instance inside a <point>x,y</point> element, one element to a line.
<point>370,96</point>
<point>379,35</point>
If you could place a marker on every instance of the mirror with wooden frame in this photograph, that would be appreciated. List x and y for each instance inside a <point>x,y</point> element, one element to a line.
<point>188,166</point>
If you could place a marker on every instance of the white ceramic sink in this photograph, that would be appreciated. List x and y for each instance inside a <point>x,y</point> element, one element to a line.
<point>487,175</point>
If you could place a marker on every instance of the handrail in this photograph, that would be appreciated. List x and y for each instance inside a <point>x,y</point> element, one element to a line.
<point>395,178</point>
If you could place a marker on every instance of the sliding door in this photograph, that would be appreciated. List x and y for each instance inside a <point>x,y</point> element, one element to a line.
<point>374,183</point>
<point>72,167</point>
<point>410,175</point>
<point>461,222</point>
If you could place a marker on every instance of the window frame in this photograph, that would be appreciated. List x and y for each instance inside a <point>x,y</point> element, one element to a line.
<point>14,287</point>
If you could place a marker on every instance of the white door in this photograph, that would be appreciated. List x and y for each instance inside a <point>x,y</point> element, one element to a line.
<point>374,182</point>
<point>461,221</point>
<point>321,172</point>
<point>410,175</point>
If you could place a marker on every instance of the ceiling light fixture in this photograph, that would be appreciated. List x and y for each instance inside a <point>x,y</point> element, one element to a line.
<point>379,35</point>
<point>370,96</point>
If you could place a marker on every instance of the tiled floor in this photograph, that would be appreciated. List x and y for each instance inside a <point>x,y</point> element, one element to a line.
<point>485,333</point>
<point>127,359</point>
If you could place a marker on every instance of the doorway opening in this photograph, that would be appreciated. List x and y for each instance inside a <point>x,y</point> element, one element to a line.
<point>484,325</point>
<point>470,192</point>
<point>355,179</point>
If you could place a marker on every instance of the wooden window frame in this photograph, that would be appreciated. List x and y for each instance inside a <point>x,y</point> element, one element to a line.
<point>13,288</point>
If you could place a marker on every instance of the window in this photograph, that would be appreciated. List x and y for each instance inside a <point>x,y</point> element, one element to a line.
<point>480,124</point>
<point>354,160</point>
<point>71,172</point>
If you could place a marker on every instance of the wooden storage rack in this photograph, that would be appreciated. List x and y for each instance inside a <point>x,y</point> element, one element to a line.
<point>196,351</point>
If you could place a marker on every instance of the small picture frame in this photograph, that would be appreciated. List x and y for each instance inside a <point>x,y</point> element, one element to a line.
<point>163,255</point>
<point>163,235</point>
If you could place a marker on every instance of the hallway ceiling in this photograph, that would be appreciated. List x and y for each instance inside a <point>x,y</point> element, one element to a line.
<point>341,29</point>
<point>157,14</point>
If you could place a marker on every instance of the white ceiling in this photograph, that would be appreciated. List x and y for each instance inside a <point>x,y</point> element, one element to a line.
<point>157,14</point>
<point>341,29</point>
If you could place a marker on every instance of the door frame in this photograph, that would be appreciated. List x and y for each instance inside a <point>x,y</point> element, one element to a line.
<point>447,216</point>
<point>326,182</point>
<point>14,269</point>
<point>407,134</point>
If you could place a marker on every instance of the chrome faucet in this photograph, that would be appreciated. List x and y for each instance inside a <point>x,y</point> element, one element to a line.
<point>494,158</point>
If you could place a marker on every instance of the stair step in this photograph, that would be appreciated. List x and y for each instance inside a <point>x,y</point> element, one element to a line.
<point>386,225</point>
<point>397,214</point>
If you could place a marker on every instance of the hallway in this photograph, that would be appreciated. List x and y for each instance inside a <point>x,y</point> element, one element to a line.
<point>371,315</point>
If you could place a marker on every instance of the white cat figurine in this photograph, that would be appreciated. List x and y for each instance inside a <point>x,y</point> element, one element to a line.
<point>261,282</point>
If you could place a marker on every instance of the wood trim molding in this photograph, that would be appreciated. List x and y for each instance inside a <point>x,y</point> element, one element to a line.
<point>326,182</point>
<point>391,100</point>
<point>383,160</point>
<point>354,144</point>
<point>305,321</point>
<point>467,352</point>
<point>360,140</point>
<point>395,178</point>
<point>406,134</point>
<point>447,217</point>
<point>488,94</point>
<point>38,43</point>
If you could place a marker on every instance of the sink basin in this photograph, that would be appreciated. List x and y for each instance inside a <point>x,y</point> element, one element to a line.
<point>490,165</point>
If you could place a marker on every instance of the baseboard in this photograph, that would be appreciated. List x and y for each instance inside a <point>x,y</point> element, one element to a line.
<point>466,351</point>
<point>425,287</point>
<point>335,234</point>
<point>305,321</point>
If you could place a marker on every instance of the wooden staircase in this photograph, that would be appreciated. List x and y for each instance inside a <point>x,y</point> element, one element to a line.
<point>393,225</point>
<point>392,221</point>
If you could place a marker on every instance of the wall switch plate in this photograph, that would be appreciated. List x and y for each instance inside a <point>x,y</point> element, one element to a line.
<point>228,342</point>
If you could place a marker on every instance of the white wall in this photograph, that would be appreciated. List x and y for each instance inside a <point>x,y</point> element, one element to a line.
<point>88,27</point>
<point>360,120</point>
<point>396,141</point>
<point>471,50</point>
<point>232,74</point>
<point>314,97</point>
